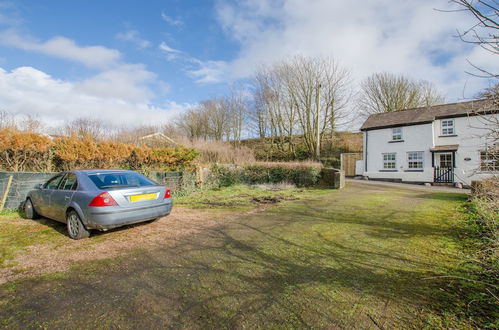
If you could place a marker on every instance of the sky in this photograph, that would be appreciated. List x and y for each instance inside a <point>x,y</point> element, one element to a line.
<point>144,62</point>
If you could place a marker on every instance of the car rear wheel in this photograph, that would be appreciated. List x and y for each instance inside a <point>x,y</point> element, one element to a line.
<point>29,210</point>
<point>76,230</point>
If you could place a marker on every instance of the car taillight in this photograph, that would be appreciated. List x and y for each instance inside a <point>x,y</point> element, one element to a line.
<point>103,199</point>
<point>167,193</point>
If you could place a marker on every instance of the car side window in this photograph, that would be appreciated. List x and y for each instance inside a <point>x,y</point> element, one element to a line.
<point>53,183</point>
<point>69,182</point>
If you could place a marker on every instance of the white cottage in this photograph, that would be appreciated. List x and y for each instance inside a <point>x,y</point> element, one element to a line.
<point>439,144</point>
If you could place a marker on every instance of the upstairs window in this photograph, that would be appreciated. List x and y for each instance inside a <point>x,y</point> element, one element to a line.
<point>448,127</point>
<point>389,161</point>
<point>489,160</point>
<point>397,134</point>
<point>415,160</point>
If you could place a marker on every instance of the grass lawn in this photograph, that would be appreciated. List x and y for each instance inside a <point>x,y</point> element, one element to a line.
<point>364,257</point>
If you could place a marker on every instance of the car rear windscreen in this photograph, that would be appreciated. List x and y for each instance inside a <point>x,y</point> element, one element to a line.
<point>120,180</point>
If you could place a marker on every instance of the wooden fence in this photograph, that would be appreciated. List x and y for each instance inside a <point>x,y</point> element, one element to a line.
<point>348,161</point>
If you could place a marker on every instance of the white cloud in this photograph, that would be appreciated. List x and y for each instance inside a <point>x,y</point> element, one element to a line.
<point>202,71</point>
<point>172,53</point>
<point>408,37</point>
<point>164,47</point>
<point>26,90</point>
<point>61,47</point>
<point>126,82</point>
<point>208,71</point>
<point>170,20</point>
<point>134,37</point>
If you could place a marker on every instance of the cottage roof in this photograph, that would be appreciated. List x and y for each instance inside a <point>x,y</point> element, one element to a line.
<point>426,114</point>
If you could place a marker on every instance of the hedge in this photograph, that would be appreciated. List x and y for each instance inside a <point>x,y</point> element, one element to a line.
<point>302,175</point>
<point>21,151</point>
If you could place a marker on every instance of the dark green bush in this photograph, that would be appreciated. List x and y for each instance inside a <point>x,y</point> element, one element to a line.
<point>302,175</point>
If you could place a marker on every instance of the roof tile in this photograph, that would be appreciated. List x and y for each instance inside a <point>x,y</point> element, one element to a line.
<point>425,114</point>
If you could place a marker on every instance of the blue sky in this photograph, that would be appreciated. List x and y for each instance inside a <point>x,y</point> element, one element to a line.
<point>145,62</point>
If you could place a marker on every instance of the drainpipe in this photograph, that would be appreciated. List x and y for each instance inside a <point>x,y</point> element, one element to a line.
<point>365,152</point>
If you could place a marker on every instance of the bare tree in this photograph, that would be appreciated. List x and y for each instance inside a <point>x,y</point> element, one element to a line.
<point>237,105</point>
<point>301,95</point>
<point>7,120</point>
<point>132,135</point>
<point>193,124</point>
<point>217,118</point>
<point>386,92</point>
<point>86,127</point>
<point>484,31</point>
<point>30,123</point>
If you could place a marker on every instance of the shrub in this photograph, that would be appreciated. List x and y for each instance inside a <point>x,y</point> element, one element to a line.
<point>484,225</point>
<point>485,208</point>
<point>299,174</point>
<point>23,151</point>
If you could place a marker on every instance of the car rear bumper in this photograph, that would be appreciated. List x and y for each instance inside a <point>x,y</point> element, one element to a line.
<point>108,219</point>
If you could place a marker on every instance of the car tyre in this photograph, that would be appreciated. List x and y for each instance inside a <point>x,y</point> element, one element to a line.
<point>29,210</point>
<point>76,229</point>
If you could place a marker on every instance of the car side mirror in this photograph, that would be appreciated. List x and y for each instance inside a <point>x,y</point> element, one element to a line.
<point>39,186</point>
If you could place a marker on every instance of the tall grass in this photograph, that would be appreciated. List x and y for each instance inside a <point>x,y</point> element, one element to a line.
<point>220,152</point>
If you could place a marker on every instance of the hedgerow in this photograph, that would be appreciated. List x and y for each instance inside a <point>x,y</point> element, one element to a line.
<point>299,174</point>
<point>21,151</point>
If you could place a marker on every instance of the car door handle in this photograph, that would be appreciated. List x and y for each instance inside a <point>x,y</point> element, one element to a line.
<point>67,197</point>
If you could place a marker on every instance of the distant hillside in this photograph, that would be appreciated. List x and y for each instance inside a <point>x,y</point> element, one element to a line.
<point>266,150</point>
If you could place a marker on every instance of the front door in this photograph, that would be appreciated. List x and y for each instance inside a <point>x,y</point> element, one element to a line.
<point>444,171</point>
<point>445,160</point>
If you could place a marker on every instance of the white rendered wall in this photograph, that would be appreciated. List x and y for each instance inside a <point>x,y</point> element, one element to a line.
<point>469,133</point>
<point>415,138</point>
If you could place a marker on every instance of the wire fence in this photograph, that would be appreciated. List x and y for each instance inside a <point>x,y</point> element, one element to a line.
<point>22,182</point>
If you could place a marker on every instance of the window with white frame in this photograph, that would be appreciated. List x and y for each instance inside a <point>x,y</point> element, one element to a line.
<point>397,134</point>
<point>448,127</point>
<point>489,160</point>
<point>389,161</point>
<point>415,160</point>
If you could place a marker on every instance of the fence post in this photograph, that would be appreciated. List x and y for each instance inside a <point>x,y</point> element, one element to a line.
<point>6,193</point>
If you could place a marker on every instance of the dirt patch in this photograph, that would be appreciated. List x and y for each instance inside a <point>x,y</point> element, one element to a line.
<point>271,199</point>
<point>55,257</point>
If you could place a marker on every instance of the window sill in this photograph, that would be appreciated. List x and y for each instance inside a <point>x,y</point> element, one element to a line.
<point>388,170</point>
<point>452,135</point>
<point>395,141</point>
<point>413,170</point>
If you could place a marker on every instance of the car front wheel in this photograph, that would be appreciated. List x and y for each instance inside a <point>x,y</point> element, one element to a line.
<point>76,230</point>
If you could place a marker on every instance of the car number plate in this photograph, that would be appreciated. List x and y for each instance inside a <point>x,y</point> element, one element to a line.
<point>143,197</point>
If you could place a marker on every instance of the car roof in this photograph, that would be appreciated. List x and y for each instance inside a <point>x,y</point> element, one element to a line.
<point>100,171</point>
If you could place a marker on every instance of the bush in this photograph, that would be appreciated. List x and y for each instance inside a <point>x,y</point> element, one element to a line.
<point>299,174</point>
<point>485,211</point>
<point>21,151</point>
<point>484,226</point>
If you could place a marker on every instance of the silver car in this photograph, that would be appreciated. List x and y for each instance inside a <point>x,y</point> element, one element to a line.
<point>98,199</point>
